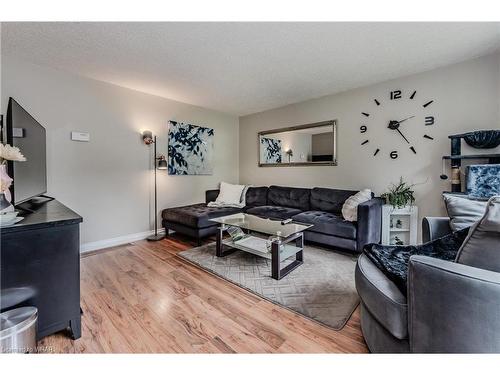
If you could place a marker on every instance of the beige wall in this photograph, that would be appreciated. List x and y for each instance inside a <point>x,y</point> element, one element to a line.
<point>466,98</point>
<point>108,180</point>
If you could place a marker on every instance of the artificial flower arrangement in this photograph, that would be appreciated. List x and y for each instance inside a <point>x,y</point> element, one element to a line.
<point>12,153</point>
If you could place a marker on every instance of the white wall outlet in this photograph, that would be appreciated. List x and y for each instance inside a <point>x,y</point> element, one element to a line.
<point>80,136</point>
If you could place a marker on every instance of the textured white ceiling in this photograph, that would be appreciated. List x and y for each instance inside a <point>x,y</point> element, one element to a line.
<point>242,68</point>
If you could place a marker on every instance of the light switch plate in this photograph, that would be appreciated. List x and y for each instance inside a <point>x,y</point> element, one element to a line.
<point>17,132</point>
<point>80,136</point>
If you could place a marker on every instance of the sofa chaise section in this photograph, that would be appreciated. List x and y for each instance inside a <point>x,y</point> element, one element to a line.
<point>194,220</point>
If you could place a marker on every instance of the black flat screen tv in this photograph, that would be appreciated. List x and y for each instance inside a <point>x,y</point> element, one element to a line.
<point>30,176</point>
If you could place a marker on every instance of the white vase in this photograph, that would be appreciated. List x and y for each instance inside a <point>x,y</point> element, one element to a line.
<point>5,205</point>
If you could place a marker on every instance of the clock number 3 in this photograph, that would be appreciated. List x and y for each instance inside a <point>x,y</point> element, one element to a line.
<point>394,155</point>
<point>429,120</point>
<point>396,94</point>
<point>363,129</point>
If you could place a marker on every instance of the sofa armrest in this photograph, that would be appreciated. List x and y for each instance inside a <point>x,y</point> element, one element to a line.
<point>211,195</point>
<point>435,227</point>
<point>452,308</point>
<point>369,222</point>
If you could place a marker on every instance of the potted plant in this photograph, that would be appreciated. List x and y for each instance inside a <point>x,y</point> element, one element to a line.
<point>400,195</point>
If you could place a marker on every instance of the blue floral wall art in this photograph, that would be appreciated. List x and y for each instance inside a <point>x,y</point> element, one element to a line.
<point>270,150</point>
<point>190,149</point>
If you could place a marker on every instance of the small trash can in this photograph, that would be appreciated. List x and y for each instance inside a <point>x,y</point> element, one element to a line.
<point>18,330</point>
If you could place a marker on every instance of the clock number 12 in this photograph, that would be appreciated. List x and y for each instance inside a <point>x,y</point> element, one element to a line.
<point>396,94</point>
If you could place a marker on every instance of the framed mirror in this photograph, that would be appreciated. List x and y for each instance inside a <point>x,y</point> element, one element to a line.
<point>303,145</point>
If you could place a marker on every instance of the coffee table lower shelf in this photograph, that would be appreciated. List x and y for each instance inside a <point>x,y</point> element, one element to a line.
<point>276,255</point>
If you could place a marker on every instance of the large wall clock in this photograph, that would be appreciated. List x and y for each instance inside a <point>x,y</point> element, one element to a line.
<point>417,114</point>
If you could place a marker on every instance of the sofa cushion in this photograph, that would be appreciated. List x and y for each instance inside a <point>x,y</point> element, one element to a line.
<point>273,212</point>
<point>327,223</point>
<point>481,248</point>
<point>382,298</point>
<point>334,241</point>
<point>483,181</point>
<point>350,206</point>
<point>329,200</point>
<point>463,212</point>
<point>256,196</point>
<point>196,215</point>
<point>289,197</point>
<point>230,195</point>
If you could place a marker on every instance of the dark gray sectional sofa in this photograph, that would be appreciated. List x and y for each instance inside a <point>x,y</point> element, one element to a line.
<point>318,206</point>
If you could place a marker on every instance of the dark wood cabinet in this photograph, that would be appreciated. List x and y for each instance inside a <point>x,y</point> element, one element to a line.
<point>42,254</point>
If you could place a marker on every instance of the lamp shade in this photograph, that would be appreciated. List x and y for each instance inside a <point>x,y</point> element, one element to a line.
<point>162,163</point>
<point>147,137</point>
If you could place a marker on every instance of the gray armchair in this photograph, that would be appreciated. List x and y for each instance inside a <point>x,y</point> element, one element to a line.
<point>435,227</point>
<point>450,308</point>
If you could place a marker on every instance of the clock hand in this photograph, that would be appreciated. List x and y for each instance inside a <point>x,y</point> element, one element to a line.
<point>399,131</point>
<point>399,122</point>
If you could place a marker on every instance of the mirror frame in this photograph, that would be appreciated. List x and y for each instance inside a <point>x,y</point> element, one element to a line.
<point>298,127</point>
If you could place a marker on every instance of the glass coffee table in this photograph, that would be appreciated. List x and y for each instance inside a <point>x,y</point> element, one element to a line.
<point>286,240</point>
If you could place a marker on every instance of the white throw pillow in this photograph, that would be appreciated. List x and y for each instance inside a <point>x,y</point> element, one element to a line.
<point>350,207</point>
<point>229,194</point>
<point>243,200</point>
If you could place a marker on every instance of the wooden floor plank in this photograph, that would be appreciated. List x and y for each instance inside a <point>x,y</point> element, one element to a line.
<point>143,298</point>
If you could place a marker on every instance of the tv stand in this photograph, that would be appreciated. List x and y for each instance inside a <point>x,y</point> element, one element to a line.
<point>42,252</point>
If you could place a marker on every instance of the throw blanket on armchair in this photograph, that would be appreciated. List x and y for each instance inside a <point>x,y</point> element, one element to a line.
<point>393,260</point>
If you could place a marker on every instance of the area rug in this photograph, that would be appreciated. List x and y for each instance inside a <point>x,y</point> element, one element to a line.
<point>321,289</point>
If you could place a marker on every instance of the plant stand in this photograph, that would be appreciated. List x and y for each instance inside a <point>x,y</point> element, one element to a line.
<point>404,225</point>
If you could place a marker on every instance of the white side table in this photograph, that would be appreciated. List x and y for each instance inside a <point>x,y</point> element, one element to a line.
<point>399,225</point>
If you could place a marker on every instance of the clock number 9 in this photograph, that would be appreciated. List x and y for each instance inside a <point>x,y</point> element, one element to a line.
<point>394,155</point>
<point>363,129</point>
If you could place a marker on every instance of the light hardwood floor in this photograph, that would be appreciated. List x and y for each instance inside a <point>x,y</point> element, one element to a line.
<point>143,298</point>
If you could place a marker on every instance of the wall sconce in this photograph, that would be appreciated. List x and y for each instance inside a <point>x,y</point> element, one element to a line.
<point>147,137</point>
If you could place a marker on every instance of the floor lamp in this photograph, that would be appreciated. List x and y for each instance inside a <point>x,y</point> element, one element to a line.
<point>159,162</point>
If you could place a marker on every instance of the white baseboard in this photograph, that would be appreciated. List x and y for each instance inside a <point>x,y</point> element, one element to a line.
<point>110,242</point>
